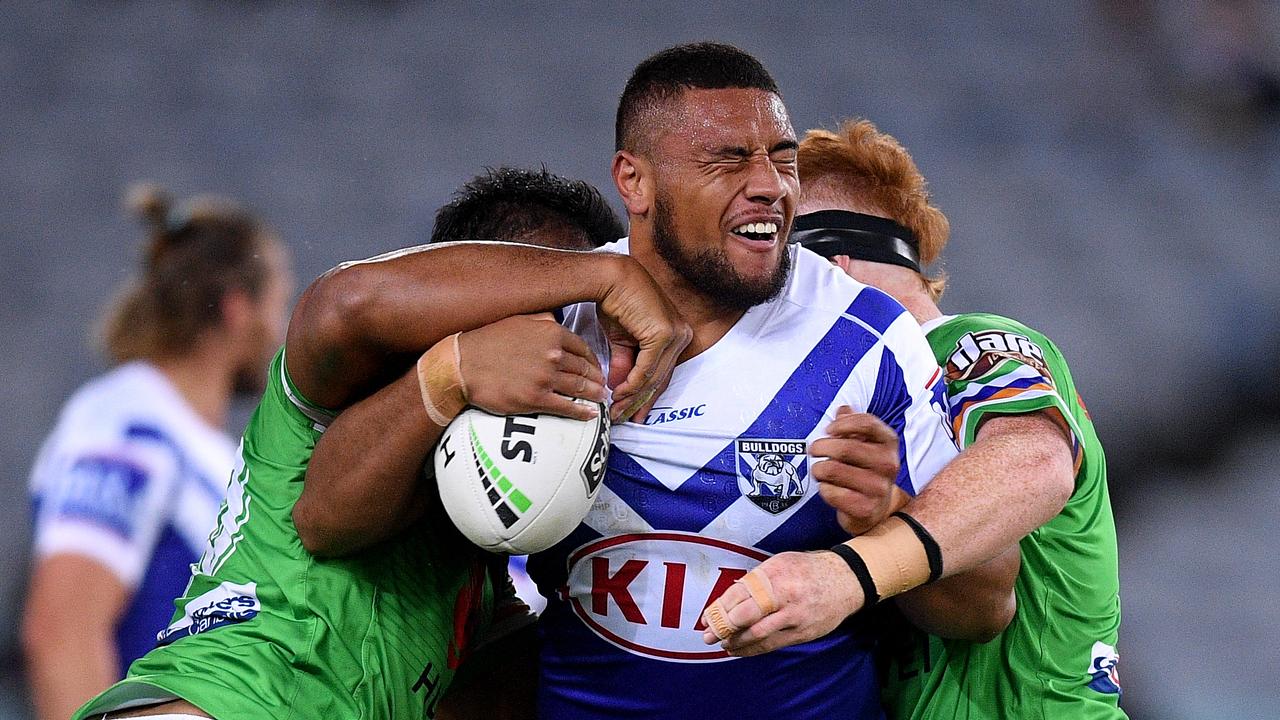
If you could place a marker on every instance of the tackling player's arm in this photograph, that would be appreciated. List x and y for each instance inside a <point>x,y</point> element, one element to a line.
<point>1016,476</point>
<point>361,321</point>
<point>358,319</point>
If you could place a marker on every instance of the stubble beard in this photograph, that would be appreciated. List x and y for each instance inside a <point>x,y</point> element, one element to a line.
<point>709,271</point>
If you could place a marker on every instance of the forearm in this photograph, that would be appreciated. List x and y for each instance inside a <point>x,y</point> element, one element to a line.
<point>1016,475</point>
<point>353,318</point>
<point>364,481</point>
<point>976,605</point>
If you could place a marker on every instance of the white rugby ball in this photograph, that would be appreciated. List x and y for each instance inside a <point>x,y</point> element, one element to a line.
<point>519,484</point>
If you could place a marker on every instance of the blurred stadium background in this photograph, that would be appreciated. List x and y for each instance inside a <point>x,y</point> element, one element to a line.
<point>1111,171</point>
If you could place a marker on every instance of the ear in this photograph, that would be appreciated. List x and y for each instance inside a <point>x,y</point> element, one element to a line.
<point>633,177</point>
<point>239,312</point>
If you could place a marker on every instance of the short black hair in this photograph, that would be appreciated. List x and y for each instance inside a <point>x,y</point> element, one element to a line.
<point>664,75</point>
<point>512,203</point>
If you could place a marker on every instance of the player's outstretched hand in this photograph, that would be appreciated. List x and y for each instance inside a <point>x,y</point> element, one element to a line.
<point>792,597</point>
<point>646,336</point>
<point>858,470</point>
<point>529,364</point>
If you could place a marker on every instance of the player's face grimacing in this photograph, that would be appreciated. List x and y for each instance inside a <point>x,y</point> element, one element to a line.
<point>726,193</point>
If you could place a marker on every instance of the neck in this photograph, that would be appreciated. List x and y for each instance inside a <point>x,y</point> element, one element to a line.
<point>902,284</point>
<point>709,320</point>
<point>204,377</point>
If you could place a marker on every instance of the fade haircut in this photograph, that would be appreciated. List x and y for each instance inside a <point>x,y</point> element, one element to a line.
<point>858,163</point>
<point>519,205</point>
<point>663,76</point>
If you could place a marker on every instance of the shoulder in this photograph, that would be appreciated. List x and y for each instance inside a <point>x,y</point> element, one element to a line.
<point>104,405</point>
<point>987,333</point>
<point>817,285</point>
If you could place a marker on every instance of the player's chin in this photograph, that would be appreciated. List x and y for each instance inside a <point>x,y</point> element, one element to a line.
<point>754,260</point>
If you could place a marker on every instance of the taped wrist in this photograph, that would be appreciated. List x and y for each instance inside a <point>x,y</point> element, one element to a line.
<point>889,559</point>
<point>444,392</point>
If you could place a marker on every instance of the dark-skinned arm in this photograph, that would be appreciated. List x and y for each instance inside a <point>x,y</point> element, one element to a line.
<point>362,321</point>
<point>352,320</point>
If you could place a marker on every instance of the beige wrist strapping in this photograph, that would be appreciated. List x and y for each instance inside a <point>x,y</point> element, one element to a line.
<point>894,556</point>
<point>444,392</point>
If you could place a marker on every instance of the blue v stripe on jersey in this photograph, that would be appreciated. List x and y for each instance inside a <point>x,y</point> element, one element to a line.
<point>890,403</point>
<point>876,309</point>
<point>794,412</point>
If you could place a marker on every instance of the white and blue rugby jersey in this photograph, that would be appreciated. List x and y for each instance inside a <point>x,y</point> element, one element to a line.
<point>131,478</point>
<point>714,481</point>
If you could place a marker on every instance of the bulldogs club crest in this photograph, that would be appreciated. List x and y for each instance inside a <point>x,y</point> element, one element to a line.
<point>773,474</point>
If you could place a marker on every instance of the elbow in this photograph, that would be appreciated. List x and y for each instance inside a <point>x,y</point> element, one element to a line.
<point>312,532</point>
<point>989,624</point>
<point>337,305</point>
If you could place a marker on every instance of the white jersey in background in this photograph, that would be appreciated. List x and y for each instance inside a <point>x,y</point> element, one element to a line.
<point>715,480</point>
<point>131,478</point>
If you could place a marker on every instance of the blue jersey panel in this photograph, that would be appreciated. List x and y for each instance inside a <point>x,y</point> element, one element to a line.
<point>151,607</point>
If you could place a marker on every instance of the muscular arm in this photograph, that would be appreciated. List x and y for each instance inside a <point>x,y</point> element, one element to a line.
<point>1016,475</point>
<point>68,633</point>
<point>354,319</point>
<point>363,321</point>
<point>362,481</point>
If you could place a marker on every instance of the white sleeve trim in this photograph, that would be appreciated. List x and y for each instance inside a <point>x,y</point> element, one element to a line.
<point>73,537</point>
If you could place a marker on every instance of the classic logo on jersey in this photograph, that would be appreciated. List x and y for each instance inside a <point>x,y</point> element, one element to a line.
<point>228,603</point>
<point>666,414</point>
<point>977,353</point>
<point>773,474</point>
<point>646,592</point>
<point>1104,677</point>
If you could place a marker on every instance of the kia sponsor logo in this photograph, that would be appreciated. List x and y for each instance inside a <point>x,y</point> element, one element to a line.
<point>646,592</point>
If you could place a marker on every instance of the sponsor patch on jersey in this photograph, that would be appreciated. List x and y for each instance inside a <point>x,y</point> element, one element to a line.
<point>102,489</point>
<point>1104,676</point>
<point>645,592</point>
<point>977,353</point>
<point>226,604</point>
<point>772,473</point>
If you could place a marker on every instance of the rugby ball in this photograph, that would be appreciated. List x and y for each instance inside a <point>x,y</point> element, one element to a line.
<point>519,484</point>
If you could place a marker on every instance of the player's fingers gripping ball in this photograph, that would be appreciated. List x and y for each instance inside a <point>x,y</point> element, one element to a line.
<point>744,603</point>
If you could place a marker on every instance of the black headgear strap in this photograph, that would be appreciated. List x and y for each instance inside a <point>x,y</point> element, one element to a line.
<point>861,237</point>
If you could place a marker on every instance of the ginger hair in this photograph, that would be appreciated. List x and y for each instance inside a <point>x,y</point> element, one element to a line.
<point>858,163</point>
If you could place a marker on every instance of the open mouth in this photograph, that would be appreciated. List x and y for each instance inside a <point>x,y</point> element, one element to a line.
<point>757,232</point>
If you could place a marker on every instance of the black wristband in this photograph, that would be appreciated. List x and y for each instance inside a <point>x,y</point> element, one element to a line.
<point>931,549</point>
<point>871,596</point>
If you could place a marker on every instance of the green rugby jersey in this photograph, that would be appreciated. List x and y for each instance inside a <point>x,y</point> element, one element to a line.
<point>1057,659</point>
<point>266,630</point>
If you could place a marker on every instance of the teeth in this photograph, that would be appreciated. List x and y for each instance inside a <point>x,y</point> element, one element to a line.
<point>764,228</point>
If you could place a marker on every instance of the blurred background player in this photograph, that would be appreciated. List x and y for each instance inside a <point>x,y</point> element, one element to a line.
<point>272,624</point>
<point>1031,469</point>
<point>127,484</point>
